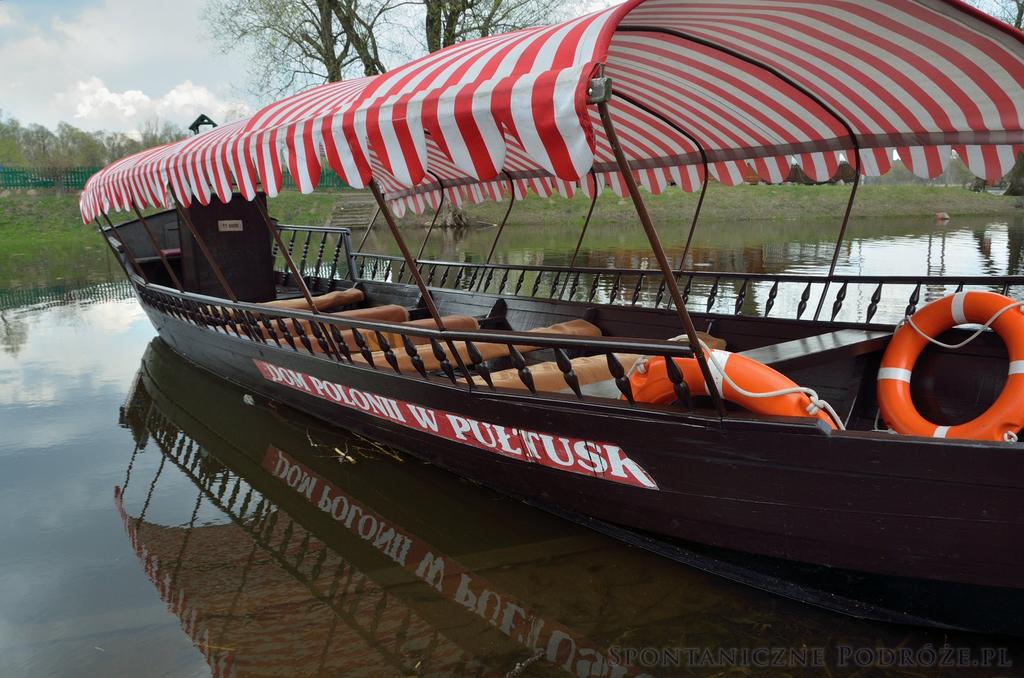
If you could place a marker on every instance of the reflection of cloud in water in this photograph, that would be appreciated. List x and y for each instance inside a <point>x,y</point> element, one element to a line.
<point>61,381</point>
<point>67,581</point>
<point>65,357</point>
<point>113,317</point>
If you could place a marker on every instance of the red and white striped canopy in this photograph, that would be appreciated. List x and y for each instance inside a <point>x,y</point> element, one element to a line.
<point>741,83</point>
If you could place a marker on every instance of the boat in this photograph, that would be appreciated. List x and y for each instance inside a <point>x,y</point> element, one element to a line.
<point>615,395</point>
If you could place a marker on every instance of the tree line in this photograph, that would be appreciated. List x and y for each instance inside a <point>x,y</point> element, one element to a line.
<point>37,147</point>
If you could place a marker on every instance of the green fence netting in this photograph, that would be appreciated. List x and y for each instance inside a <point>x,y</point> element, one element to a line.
<point>69,178</point>
<point>74,178</point>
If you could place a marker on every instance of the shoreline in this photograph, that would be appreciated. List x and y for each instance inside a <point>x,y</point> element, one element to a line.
<point>41,229</point>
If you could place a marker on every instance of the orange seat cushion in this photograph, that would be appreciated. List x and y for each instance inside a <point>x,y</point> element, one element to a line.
<point>324,302</point>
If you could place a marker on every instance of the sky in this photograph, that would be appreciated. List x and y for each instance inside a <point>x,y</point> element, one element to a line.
<point>115,64</point>
<point>118,64</point>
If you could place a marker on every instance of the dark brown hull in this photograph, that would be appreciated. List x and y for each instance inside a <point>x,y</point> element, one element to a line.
<point>872,503</point>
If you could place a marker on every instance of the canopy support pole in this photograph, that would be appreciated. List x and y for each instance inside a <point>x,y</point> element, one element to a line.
<point>803,90</point>
<point>295,272</point>
<point>747,59</point>
<point>704,163</point>
<point>842,229</point>
<point>430,229</point>
<point>696,216</point>
<point>433,222</point>
<point>583,233</point>
<point>659,254</point>
<point>156,246</point>
<point>414,270</point>
<point>127,249</point>
<point>504,220</point>
<point>117,257</point>
<point>289,262</point>
<point>369,227</point>
<point>183,215</point>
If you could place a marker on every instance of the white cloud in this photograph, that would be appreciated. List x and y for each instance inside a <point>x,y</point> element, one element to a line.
<point>110,64</point>
<point>95,105</point>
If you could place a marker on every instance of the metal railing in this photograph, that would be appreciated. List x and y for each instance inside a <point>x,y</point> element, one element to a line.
<point>468,359</point>
<point>323,256</point>
<point>840,298</point>
<point>74,178</point>
<point>418,352</point>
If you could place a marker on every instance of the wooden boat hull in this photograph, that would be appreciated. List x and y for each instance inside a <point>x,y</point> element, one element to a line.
<point>886,505</point>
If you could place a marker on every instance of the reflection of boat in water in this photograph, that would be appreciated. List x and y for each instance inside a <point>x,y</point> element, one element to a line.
<point>322,566</point>
<point>305,550</point>
<point>327,565</point>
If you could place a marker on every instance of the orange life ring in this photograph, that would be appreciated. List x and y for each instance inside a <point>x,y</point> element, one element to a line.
<point>1006,416</point>
<point>653,385</point>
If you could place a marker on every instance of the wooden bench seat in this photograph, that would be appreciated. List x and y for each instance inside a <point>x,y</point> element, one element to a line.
<point>595,378</point>
<point>590,371</point>
<point>389,313</point>
<point>549,379</point>
<point>463,323</point>
<point>324,302</point>
<point>487,351</point>
<point>820,348</point>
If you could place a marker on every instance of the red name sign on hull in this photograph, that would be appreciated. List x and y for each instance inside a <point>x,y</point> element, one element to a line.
<point>574,455</point>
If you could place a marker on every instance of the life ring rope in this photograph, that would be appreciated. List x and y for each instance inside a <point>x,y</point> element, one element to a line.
<point>817,403</point>
<point>958,317</point>
<point>720,374</point>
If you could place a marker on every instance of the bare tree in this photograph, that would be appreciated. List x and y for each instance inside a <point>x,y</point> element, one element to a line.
<point>1010,11</point>
<point>447,22</point>
<point>296,43</point>
<point>302,42</point>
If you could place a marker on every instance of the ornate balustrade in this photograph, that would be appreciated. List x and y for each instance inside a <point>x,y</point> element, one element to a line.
<point>321,253</point>
<point>460,358</point>
<point>842,298</point>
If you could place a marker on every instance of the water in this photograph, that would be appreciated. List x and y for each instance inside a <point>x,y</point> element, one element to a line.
<point>975,246</point>
<point>146,529</point>
<point>920,246</point>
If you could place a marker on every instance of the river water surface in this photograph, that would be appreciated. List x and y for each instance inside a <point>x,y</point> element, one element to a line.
<point>154,523</point>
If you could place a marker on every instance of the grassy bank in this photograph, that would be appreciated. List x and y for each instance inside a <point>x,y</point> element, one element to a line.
<point>722,204</point>
<point>41,234</point>
<point>44,218</point>
<point>765,203</point>
<point>43,241</point>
